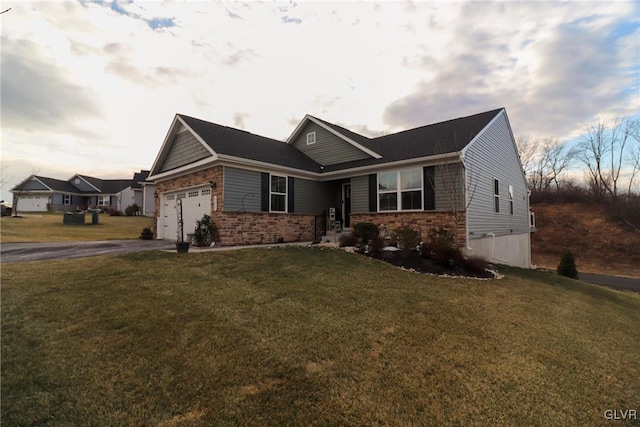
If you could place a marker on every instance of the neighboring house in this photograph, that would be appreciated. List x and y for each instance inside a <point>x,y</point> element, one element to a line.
<point>261,190</point>
<point>80,192</point>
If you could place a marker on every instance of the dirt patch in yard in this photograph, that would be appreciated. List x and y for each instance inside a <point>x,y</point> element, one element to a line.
<point>599,244</point>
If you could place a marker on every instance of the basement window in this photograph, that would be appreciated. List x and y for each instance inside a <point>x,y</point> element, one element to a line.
<point>311,138</point>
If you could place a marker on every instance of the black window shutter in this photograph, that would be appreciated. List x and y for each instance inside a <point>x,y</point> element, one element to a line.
<point>373,192</point>
<point>429,190</point>
<point>290,192</point>
<point>264,192</point>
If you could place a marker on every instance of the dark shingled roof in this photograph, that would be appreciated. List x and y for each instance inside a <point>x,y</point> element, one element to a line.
<point>139,178</point>
<point>56,184</point>
<point>242,144</point>
<point>440,138</point>
<point>107,186</point>
<point>356,137</point>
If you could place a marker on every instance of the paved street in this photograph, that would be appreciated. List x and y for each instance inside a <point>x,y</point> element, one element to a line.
<point>16,252</point>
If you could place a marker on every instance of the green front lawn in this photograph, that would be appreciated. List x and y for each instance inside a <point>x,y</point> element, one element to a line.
<point>302,336</point>
<point>48,227</point>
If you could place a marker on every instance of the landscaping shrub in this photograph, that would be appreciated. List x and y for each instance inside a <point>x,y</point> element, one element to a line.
<point>132,210</point>
<point>376,245</point>
<point>114,212</point>
<point>366,231</point>
<point>441,250</point>
<point>476,264</point>
<point>349,240</point>
<point>205,232</point>
<point>567,266</point>
<point>407,238</point>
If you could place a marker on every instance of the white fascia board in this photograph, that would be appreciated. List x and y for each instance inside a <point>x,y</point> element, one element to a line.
<point>87,182</point>
<point>191,167</point>
<point>195,134</point>
<point>171,133</point>
<point>29,178</point>
<point>344,138</point>
<point>256,165</point>
<point>475,138</point>
<point>309,118</point>
<point>298,129</point>
<point>37,179</point>
<point>380,167</point>
<point>45,185</point>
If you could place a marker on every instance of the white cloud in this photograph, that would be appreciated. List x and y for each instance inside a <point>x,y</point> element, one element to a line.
<point>92,88</point>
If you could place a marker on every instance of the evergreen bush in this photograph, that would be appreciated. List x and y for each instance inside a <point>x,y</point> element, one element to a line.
<point>567,266</point>
<point>365,231</point>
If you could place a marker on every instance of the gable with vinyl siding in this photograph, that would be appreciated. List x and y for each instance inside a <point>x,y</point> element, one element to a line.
<point>493,156</point>
<point>184,150</point>
<point>328,149</point>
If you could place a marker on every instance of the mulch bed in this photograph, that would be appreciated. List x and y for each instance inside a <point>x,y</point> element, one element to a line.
<point>415,262</point>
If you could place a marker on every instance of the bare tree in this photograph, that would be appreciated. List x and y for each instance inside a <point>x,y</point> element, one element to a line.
<point>528,149</point>
<point>544,160</point>
<point>603,151</point>
<point>634,154</point>
<point>456,191</point>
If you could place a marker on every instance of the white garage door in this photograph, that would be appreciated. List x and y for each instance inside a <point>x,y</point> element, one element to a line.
<point>195,203</point>
<point>32,203</point>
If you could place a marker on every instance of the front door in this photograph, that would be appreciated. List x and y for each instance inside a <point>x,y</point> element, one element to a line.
<point>346,205</point>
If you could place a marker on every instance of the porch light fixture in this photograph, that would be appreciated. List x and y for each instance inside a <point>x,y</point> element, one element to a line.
<point>155,194</point>
<point>212,184</point>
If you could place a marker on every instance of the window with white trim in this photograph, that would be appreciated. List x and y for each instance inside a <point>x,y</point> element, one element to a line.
<point>66,199</point>
<point>278,193</point>
<point>511,199</point>
<point>496,196</point>
<point>400,190</point>
<point>311,138</point>
<point>104,200</point>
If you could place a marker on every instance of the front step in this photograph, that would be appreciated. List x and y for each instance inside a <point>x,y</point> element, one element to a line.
<point>333,236</point>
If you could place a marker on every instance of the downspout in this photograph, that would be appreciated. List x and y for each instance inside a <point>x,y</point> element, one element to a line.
<point>466,205</point>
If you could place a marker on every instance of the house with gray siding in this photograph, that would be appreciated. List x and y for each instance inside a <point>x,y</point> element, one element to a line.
<point>82,192</point>
<point>463,175</point>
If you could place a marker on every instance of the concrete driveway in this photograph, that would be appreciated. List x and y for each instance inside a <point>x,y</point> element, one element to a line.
<point>16,252</point>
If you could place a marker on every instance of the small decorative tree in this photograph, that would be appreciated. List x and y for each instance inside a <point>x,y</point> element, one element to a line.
<point>206,231</point>
<point>567,266</point>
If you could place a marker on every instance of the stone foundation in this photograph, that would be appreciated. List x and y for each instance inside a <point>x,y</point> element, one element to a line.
<point>420,221</point>
<point>239,228</point>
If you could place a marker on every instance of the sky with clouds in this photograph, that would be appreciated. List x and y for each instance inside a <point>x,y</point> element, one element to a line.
<point>91,87</point>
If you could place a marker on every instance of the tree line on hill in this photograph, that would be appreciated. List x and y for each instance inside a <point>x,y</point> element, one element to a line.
<point>601,166</point>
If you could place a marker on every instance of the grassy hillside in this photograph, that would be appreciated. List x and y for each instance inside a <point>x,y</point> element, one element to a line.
<point>302,336</point>
<point>599,244</point>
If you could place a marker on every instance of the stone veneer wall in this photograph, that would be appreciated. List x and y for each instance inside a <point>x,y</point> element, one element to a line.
<point>237,228</point>
<point>420,221</point>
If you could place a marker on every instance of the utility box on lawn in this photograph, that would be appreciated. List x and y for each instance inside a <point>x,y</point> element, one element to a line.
<point>73,218</point>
